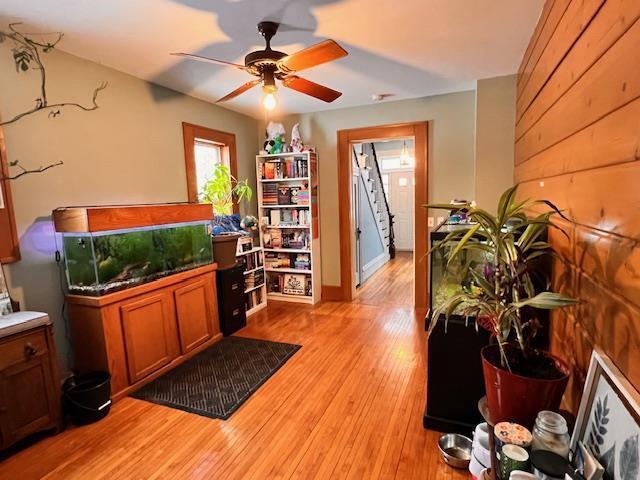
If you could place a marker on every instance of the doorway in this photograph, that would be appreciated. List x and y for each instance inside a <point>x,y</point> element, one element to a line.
<point>413,190</point>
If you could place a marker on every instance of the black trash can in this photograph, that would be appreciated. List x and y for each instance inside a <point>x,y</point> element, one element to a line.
<point>87,397</point>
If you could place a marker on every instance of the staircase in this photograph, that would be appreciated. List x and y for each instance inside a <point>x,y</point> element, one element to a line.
<point>372,179</point>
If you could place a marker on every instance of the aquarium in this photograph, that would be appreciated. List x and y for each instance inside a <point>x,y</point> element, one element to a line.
<point>447,281</point>
<point>103,262</point>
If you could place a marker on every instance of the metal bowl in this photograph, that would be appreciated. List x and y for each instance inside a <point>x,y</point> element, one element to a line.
<point>455,450</point>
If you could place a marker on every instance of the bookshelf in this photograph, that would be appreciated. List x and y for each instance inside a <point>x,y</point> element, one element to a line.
<point>289,221</point>
<point>254,275</point>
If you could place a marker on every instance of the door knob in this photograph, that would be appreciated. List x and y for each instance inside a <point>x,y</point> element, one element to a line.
<point>30,350</point>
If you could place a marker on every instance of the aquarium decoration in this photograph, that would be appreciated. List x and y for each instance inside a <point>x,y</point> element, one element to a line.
<point>105,262</point>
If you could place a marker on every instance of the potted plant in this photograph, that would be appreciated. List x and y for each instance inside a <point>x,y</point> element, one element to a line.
<point>220,191</point>
<point>503,296</point>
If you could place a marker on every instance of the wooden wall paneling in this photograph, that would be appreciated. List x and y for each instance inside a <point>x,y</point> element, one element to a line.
<point>610,261</point>
<point>612,82</point>
<point>9,242</point>
<point>611,140</point>
<point>546,8</point>
<point>602,199</point>
<point>575,19</point>
<point>578,145</point>
<point>557,9</point>
<point>611,22</point>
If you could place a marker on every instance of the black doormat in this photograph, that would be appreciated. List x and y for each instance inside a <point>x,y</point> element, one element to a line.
<point>218,380</point>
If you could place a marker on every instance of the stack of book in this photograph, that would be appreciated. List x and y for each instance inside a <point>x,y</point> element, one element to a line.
<point>299,195</point>
<point>302,262</point>
<point>270,194</point>
<point>277,260</point>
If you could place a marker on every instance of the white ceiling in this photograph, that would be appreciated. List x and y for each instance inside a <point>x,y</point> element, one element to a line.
<point>409,48</point>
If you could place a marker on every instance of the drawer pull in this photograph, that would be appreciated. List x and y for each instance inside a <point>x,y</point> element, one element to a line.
<point>236,312</point>
<point>234,286</point>
<point>30,350</point>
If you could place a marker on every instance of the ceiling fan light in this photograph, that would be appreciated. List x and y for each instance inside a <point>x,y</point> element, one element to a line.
<point>270,101</point>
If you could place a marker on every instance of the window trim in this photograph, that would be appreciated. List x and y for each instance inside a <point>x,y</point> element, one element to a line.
<point>227,141</point>
<point>9,240</point>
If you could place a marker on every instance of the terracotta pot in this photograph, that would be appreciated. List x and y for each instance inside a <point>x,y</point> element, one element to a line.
<point>224,249</point>
<point>515,398</point>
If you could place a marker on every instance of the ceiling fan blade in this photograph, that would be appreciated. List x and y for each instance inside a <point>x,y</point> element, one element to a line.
<point>317,54</point>
<point>308,87</point>
<point>200,58</point>
<point>241,89</point>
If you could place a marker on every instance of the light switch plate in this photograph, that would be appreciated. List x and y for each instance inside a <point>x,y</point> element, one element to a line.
<point>430,222</point>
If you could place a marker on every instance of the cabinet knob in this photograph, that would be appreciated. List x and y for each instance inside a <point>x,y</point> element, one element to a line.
<point>30,350</point>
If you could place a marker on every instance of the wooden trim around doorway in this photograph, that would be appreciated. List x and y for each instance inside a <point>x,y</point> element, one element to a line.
<point>226,140</point>
<point>419,131</point>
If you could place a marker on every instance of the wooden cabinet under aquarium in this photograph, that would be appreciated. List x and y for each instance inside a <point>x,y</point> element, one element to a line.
<point>142,293</point>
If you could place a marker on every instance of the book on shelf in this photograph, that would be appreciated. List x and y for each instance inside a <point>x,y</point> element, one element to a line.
<point>283,168</point>
<point>294,284</point>
<point>270,194</point>
<point>284,195</point>
<point>302,261</point>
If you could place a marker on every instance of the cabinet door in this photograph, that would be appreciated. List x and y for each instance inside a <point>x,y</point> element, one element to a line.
<point>195,306</point>
<point>149,331</point>
<point>27,404</point>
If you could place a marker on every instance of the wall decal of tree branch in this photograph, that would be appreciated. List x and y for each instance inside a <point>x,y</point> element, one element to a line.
<point>27,55</point>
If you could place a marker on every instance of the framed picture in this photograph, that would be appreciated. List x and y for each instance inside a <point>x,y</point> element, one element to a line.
<point>5,300</point>
<point>609,420</point>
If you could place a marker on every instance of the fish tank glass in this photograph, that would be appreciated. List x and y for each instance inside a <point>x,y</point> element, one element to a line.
<point>447,281</point>
<point>103,262</point>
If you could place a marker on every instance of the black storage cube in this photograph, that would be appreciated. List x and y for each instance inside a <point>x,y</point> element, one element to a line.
<point>231,304</point>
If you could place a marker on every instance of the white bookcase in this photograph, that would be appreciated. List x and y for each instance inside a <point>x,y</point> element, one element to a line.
<point>290,225</point>
<point>255,290</point>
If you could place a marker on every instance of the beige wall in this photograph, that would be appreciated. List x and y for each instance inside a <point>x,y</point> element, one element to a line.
<point>451,153</point>
<point>128,151</point>
<point>495,131</point>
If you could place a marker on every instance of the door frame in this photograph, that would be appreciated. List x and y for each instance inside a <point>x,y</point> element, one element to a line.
<point>420,132</point>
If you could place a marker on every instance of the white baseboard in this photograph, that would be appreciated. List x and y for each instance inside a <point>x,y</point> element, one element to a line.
<point>373,266</point>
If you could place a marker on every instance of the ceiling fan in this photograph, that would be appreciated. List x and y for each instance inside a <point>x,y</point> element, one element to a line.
<point>271,65</point>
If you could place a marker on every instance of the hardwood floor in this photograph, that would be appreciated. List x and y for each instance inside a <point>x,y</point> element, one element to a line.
<point>391,285</point>
<point>349,404</point>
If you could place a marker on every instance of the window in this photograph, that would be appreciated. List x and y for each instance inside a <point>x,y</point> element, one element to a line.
<point>9,243</point>
<point>207,156</point>
<point>204,148</point>
<point>394,163</point>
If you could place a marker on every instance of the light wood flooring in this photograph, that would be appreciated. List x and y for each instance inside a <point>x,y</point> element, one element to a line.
<point>349,404</point>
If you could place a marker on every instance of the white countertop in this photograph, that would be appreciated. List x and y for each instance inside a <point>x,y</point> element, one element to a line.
<point>21,321</point>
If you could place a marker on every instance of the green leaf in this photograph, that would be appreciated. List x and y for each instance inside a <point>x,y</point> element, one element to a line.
<point>444,206</point>
<point>463,241</point>
<point>506,203</point>
<point>547,301</point>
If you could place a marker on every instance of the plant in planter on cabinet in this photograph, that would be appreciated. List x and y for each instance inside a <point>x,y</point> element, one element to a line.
<point>502,297</point>
<point>221,190</point>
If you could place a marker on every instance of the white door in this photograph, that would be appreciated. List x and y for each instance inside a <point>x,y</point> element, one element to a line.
<point>401,203</point>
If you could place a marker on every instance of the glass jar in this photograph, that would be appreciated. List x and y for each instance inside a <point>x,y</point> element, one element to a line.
<point>551,433</point>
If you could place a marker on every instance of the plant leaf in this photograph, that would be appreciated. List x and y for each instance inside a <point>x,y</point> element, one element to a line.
<point>629,468</point>
<point>547,301</point>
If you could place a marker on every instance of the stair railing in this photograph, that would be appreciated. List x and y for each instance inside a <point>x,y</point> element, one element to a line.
<point>382,198</point>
